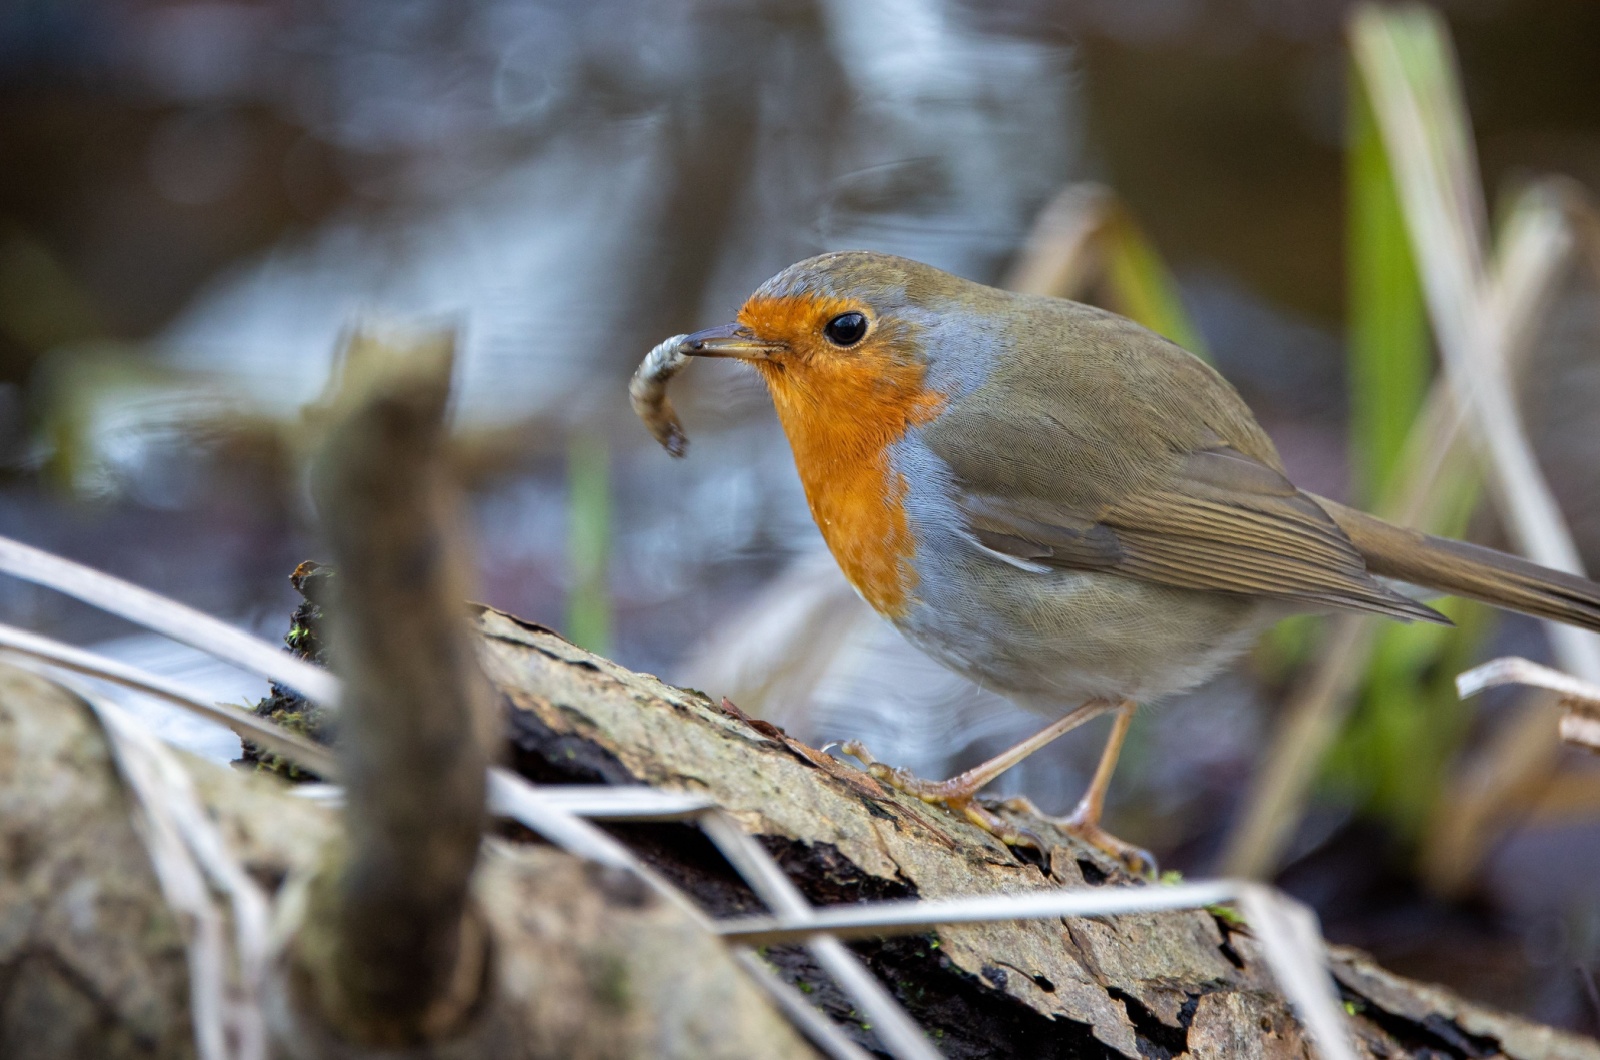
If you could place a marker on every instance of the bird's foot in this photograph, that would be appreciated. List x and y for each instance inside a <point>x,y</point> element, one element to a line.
<point>958,795</point>
<point>1086,827</point>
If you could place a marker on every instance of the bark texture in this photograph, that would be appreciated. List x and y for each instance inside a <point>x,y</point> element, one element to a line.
<point>589,965</point>
<point>91,964</point>
<point>91,961</point>
<point>1163,985</point>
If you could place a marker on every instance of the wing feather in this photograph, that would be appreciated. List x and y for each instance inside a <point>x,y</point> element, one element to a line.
<point>1095,444</point>
<point>1255,535</point>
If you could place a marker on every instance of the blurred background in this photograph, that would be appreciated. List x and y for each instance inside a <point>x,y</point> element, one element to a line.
<point>197,199</point>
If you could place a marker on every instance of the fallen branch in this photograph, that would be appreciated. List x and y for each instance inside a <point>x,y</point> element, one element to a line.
<point>390,952</point>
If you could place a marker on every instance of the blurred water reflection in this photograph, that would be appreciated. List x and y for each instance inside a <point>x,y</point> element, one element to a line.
<point>591,176</point>
<point>575,181</point>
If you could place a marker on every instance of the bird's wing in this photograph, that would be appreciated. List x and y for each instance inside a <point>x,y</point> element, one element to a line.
<point>1121,452</point>
<point>1224,522</point>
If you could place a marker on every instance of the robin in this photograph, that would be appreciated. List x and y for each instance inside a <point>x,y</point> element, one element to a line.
<point>1062,505</point>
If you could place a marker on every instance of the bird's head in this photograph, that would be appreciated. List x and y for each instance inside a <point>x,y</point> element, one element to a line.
<point>849,344</point>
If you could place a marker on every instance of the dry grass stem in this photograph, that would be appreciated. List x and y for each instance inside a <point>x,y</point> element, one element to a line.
<point>1059,257</point>
<point>1287,930</point>
<point>303,752</point>
<point>823,1032</point>
<point>895,1028</point>
<point>1486,324</point>
<point>167,617</point>
<point>1404,56</point>
<point>190,858</point>
<point>1511,670</point>
<point>1580,700</point>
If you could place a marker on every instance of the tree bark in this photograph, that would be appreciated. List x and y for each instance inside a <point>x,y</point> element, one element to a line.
<point>1160,985</point>
<point>391,951</point>
<point>591,965</point>
<point>92,964</point>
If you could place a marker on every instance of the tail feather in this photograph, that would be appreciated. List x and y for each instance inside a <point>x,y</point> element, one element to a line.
<point>1472,571</point>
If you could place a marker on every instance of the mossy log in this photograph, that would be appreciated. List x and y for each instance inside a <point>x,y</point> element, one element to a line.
<point>93,964</point>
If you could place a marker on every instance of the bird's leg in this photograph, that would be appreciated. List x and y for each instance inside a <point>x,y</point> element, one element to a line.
<point>958,792</point>
<point>1084,820</point>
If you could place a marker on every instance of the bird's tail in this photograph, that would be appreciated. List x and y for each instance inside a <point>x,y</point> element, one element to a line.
<point>1473,571</point>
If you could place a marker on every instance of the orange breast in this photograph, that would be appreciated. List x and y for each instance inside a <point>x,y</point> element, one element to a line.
<point>842,412</point>
<point>860,510</point>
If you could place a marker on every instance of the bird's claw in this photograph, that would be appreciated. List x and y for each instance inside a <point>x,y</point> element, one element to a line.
<point>961,799</point>
<point>896,777</point>
<point>1000,828</point>
<point>1136,860</point>
<point>855,749</point>
<point>953,795</point>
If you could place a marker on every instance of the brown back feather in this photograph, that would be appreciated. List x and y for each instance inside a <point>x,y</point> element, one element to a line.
<point>1473,571</point>
<point>1100,446</point>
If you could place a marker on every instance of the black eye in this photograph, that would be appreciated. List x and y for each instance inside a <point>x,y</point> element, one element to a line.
<point>846,329</point>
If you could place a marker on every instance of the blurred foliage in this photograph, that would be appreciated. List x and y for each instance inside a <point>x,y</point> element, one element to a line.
<point>1142,284</point>
<point>1389,359</point>
<point>589,542</point>
<point>1408,725</point>
<point>111,421</point>
<point>40,305</point>
<point>70,388</point>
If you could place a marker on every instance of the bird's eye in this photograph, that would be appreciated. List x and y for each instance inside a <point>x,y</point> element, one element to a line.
<point>846,329</point>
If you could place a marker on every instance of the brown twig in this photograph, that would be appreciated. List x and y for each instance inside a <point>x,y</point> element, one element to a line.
<point>390,949</point>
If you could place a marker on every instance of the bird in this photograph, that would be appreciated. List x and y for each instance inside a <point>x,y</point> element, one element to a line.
<point>1064,506</point>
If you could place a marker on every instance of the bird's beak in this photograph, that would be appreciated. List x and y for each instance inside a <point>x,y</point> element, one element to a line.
<point>730,340</point>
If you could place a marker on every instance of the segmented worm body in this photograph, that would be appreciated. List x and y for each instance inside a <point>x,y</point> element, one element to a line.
<point>648,392</point>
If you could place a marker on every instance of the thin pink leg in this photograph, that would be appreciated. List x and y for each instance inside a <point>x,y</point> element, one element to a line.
<point>957,793</point>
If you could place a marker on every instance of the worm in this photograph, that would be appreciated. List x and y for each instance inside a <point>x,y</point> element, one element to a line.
<point>647,390</point>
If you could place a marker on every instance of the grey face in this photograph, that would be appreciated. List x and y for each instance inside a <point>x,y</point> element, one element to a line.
<point>955,327</point>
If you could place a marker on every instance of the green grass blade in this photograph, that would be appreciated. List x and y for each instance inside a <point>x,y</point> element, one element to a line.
<point>1143,285</point>
<point>588,622</point>
<point>1390,360</point>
